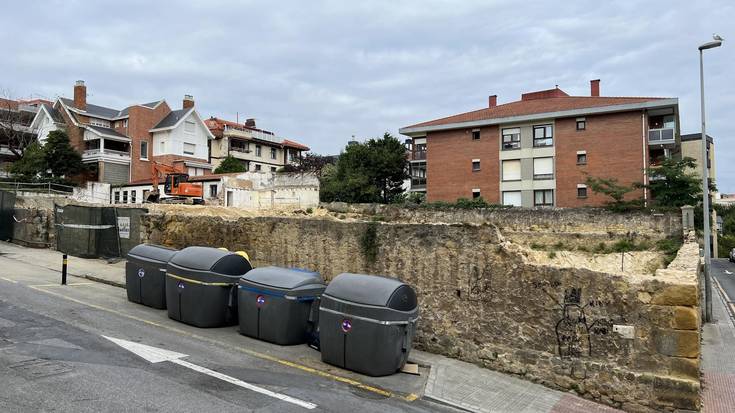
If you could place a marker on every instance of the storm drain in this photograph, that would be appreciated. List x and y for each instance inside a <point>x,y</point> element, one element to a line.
<point>39,368</point>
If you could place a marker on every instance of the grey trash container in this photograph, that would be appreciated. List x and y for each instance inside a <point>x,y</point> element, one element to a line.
<point>145,274</point>
<point>201,286</point>
<point>367,323</point>
<point>275,304</point>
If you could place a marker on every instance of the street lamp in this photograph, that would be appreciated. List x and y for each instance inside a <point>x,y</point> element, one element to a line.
<point>717,42</point>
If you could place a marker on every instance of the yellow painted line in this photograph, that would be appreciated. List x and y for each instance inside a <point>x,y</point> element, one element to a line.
<point>9,280</point>
<point>60,285</point>
<point>355,383</point>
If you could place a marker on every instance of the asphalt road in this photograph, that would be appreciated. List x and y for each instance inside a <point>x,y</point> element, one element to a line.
<point>720,269</point>
<point>54,358</point>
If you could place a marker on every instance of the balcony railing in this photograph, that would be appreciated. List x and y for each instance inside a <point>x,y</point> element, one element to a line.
<point>110,153</point>
<point>417,155</point>
<point>239,149</point>
<point>661,136</point>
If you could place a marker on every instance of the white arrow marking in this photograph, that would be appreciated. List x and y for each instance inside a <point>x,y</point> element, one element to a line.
<point>158,355</point>
<point>728,272</point>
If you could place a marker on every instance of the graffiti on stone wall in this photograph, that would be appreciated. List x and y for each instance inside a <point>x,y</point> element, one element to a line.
<point>581,324</point>
<point>481,285</point>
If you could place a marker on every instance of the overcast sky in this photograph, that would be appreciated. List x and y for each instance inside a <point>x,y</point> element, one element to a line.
<point>320,72</point>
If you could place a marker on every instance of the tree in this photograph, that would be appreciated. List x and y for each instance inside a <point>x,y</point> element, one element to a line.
<point>14,126</point>
<point>616,191</point>
<point>230,165</point>
<point>373,171</point>
<point>61,159</point>
<point>309,163</point>
<point>672,185</point>
<point>32,165</point>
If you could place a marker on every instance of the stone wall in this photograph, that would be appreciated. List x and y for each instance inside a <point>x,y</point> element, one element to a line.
<point>483,301</point>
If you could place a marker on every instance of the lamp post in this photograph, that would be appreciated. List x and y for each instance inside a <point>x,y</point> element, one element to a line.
<point>705,187</point>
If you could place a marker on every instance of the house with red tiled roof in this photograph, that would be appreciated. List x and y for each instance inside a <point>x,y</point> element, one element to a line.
<point>121,143</point>
<point>538,151</point>
<point>257,149</point>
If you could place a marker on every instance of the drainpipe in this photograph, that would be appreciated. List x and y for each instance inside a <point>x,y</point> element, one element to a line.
<point>645,172</point>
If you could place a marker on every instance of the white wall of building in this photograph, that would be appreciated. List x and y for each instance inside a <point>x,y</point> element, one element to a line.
<point>179,139</point>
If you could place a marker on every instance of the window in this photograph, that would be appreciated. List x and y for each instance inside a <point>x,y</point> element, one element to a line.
<point>543,168</point>
<point>145,194</point>
<point>143,150</point>
<point>476,193</point>
<point>257,150</point>
<point>475,134</point>
<point>581,191</point>
<point>581,124</point>
<point>543,136</point>
<point>475,165</point>
<point>99,122</point>
<point>117,197</point>
<point>125,197</point>
<point>189,126</point>
<point>512,198</point>
<point>273,168</point>
<point>213,191</point>
<point>273,153</point>
<point>511,138</point>
<point>544,197</point>
<point>133,196</point>
<point>512,170</point>
<point>125,123</point>
<point>189,148</point>
<point>582,158</point>
<point>418,174</point>
<point>257,167</point>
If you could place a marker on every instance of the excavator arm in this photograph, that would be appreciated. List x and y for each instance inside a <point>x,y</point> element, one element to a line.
<point>157,169</point>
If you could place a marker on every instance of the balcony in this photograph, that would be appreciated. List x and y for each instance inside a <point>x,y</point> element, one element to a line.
<point>105,155</point>
<point>417,155</point>
<point>661,136</point>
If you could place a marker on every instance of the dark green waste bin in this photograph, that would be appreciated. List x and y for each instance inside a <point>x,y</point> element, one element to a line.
<point>275,304</point>
<point>201,286</point>
<point>367,323</point>
<point>145,274</point>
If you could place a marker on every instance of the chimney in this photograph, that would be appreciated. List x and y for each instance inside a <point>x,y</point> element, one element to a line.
<point>80,95</point>
<point>492,101</point>
<point>188,101</point>
<point>250,122</point>
<point>595,87</point>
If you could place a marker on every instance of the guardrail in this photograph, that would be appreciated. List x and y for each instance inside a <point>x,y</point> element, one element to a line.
<point>664,135</point>
<point>42,187</point>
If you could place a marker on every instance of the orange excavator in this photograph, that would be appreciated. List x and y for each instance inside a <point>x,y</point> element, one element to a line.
<point>176,185</point>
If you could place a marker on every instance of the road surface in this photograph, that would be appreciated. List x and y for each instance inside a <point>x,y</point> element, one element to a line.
<point>54,357</point>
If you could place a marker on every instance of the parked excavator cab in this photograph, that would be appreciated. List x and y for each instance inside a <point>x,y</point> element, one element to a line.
<point>176,186</point>
<point>172,183</point>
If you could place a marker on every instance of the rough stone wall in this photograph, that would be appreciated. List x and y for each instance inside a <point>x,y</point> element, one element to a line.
<point>482,301</point>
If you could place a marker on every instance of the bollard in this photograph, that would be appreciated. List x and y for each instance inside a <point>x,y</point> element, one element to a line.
<point>63,271</point>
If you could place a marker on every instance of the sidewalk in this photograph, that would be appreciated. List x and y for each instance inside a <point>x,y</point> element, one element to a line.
<point>718,358</point>
<point>451,382</point>
<point>93,269</point>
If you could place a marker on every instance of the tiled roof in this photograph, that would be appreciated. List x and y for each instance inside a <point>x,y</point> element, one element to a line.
<point>95,110</point>
<point>535,106</point>
<point>55,115</point>
<point>172,118</point>
<point>107,131</point>
<point>217,125</point>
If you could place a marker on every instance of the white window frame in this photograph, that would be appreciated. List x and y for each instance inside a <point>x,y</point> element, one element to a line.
<point>99,122</point>
<point>190,126</point>
<point>479,165</point>
<point>503,168</point>
<point>512,143</point>
<point>193,150</point>
<point>548,135</point>
<point>520,198</point>
<point>586,192</point>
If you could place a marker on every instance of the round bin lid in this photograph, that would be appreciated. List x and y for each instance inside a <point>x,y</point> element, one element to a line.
<point>282,278</point>
<point>211,259</point>
<point>373,290</point>
<point>152,252</point>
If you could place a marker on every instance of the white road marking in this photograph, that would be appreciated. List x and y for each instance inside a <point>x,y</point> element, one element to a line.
<point>158,355</point>
<point>9,280</point>
<point>728,272</point>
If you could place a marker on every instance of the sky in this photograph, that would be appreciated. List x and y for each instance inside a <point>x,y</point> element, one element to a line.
<point>319,72</point>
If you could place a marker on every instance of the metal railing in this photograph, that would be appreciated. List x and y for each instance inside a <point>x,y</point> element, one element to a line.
<point>41,187</point>
<point>417,155</point>
<point>112,152</point>
<point>664,135</point>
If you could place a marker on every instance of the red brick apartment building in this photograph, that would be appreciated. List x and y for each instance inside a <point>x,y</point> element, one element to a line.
<point>122,142</point>
<point>538,151</point>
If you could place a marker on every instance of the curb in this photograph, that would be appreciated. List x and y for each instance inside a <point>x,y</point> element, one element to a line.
<point>101,280</point>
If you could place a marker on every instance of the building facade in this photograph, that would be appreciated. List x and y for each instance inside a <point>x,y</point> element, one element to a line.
<point>538,151</point>
<point>16,129</point>
<point>121,143</point>
<point>257,149</point>
<point>691,147</point>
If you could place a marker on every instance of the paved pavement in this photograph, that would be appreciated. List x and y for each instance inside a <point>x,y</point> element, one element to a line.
<point>78,315</point>
<point>718,343</point>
